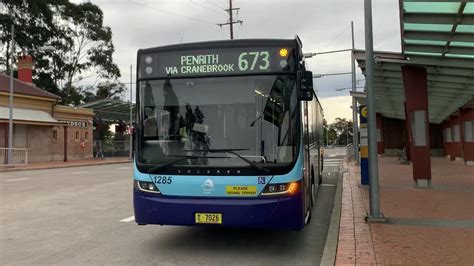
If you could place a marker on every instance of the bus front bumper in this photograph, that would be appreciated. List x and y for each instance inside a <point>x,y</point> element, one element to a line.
<point>265,212</point>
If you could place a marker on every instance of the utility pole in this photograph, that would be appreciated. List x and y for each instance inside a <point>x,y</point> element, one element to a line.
<point>355,135</point>
<point>131,116</point>
<point>374,198</point>
<point>10,116</point>
<point>231,21</point>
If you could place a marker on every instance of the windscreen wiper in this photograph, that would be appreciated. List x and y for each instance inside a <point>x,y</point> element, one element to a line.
<point>233,151</point>
<point>181,158</point>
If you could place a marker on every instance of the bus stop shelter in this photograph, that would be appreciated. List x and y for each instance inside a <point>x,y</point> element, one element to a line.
<point>109,111</point>
<point>431,82</point>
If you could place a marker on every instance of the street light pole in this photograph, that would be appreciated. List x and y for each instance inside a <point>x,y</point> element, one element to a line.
<point>355,136</point>
<point>309,55</point>
<point>330,74</point>
<point>10,116</point>
<point>374,201</point>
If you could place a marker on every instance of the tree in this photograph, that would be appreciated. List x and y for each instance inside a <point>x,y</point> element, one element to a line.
<point>340,131</point>
<point>325,131</point>
<point>83,45</point>
<point>105,90</point>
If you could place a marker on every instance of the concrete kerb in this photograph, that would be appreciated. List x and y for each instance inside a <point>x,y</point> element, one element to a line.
<point>332,238</point>
<point>63,166</point>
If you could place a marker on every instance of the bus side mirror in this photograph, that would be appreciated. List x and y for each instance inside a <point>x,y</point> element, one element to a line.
<point>305,85</point>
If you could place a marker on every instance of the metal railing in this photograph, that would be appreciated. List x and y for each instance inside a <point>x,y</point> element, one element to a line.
<point>116,148</point>
<point>19,156</point>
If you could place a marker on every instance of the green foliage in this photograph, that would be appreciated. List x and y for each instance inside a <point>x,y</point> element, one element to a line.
<point>83,45</point>
<point>340,132</point>
<point>105,90</point>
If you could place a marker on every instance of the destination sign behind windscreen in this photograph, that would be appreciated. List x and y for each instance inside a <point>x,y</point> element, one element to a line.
<point>211,62</point>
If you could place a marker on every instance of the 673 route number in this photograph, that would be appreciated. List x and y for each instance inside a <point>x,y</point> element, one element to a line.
<point>162,179</point>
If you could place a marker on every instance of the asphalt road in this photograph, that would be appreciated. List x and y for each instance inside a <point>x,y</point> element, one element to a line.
<point>73,216</point>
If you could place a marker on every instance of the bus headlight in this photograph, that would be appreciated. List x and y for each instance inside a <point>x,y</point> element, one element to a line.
<point>147,186</point>
<point>281,189</point>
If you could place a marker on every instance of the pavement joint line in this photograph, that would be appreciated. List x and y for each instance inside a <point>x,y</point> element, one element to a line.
<point>432,222</point>
<point>332,238</point>
<point>128,219</point>
<point>17,179</point>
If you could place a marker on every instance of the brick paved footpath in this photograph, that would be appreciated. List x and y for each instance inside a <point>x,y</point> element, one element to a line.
<point>432,226</point>
<point>60,164</point>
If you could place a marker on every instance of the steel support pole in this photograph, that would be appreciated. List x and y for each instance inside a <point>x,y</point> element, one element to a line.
<point>131,116</point>
<point>355,130</point>
<point>374,199</point>
<point>10,104</point>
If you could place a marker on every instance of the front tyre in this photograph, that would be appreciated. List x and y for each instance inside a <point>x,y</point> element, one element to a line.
<point>312,195</point>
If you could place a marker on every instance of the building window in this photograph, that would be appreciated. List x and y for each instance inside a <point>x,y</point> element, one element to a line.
<point>55,134</point>
<point>447,135</point>
<point>469,131</point>
<point>77,135</point>
<point>456,136</point>
<point>418,128</point>
<point>86,136</point>
<point>379,135</point>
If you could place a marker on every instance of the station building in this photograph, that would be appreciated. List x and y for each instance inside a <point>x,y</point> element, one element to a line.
<point>424,95</point>
<point>45,129</point>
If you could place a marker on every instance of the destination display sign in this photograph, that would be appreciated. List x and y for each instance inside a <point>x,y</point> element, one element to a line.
<point>211,62</point>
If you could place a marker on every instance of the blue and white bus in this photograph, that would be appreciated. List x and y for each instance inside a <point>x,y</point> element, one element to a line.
<point>229,133</point>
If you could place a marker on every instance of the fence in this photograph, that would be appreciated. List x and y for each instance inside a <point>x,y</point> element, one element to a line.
<point>19,156</point>
<point>117,148</point>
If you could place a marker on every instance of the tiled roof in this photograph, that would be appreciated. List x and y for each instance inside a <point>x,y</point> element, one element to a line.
<point>20,87</point>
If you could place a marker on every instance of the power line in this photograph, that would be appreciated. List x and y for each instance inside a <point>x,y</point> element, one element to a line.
<point>214,4</point>
<point>205,7</point>
<point>231,20</point>
<point>337,37</point>
<point>175,14</point>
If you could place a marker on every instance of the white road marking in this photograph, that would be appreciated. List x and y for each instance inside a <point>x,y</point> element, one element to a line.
<point>329,173</point>
<point>327,185</point>
<point>333,155</point>
<point>17,179</point>
<point>129,219</point>
<point>79,172</point>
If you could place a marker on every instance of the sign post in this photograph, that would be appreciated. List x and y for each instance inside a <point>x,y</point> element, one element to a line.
<point>364,148</point>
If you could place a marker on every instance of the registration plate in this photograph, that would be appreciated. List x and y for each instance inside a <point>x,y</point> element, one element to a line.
<point>208,218</point>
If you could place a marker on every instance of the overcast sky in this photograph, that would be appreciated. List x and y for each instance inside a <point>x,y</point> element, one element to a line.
<point>321,25</point>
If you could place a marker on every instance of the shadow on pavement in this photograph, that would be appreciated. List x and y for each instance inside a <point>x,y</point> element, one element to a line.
<point>247,241</point>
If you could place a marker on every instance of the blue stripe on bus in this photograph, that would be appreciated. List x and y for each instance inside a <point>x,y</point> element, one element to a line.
<point>193,185</point>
